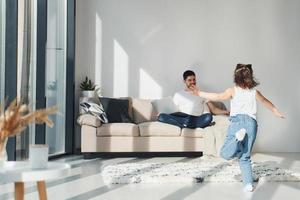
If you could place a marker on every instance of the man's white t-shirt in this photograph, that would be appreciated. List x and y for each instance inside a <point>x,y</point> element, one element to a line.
<point>189,103</point>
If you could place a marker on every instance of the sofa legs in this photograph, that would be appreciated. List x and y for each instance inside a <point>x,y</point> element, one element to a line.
<point>140,154</point>
<point>88,156</point>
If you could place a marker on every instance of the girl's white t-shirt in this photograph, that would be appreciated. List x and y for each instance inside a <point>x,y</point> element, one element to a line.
<point>243,102</point>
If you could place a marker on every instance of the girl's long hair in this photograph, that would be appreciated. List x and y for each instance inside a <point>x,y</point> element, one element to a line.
<point>243,76</point>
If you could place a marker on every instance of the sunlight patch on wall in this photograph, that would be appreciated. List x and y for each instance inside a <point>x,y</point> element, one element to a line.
<point>121,62</point>
<point>98,50</point>
<point>149,88</point>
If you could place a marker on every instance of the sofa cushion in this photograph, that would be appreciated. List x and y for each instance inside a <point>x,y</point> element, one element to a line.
<point>221,120</point>
<point>143,111</point>
<point>158,129</point>
<point>116,109</point>
<point>219,105</point>
<point>118,129</point>
<point>215,135</point>
<point>195,132</point>
<point>129,106</point>
<point>89,120</point>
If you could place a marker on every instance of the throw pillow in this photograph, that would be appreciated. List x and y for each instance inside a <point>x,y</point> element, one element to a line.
<point>116,109</point>
<point>219,105</point>
<point>165,105</point>
<point>95,110</point>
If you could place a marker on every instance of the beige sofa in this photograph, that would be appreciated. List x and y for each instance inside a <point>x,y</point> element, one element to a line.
<point>148,135</point>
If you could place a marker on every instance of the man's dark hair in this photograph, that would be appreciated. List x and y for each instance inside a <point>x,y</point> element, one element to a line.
<point>188,73</point>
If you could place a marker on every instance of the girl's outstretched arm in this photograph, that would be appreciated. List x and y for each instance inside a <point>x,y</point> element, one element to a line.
<point>268,104</point>
<point>227,94</point>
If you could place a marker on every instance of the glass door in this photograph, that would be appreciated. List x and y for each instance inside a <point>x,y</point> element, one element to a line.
<point>26,69</point>
<point>56,73</point>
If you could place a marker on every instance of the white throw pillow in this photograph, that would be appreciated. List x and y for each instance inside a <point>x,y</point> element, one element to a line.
<point>165,105</point>
<point>95,110</point>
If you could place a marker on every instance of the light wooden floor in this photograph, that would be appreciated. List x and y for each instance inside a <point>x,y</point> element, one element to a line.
<point>85,182</point>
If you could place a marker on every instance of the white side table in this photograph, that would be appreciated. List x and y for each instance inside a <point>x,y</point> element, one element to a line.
<point>20,172</point>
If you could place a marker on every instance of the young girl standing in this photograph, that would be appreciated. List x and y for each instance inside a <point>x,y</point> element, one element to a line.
<point>243,126</point>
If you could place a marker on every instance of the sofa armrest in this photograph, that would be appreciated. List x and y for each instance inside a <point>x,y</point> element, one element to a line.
<point>89,120</point>
<point>221,120</point>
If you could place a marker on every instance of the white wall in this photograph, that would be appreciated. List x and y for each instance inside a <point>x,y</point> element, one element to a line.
<point>140,48</point>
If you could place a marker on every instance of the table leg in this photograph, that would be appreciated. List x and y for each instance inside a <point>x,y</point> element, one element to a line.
<point>19,190</point>
<point>42,190</point>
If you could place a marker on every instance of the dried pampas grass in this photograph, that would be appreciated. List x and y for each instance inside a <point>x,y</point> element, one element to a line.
<point>18,116</point>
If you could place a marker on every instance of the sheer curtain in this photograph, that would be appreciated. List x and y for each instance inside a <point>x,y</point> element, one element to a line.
<point>26,69</point>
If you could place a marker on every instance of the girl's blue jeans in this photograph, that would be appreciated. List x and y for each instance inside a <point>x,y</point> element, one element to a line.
<point>241,149</point>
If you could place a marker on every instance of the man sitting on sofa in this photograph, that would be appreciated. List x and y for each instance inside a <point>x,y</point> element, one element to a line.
<point>191,107</point>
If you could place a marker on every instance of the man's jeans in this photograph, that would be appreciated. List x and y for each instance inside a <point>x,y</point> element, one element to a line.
<point>184,120</point>
<point>241,149</point>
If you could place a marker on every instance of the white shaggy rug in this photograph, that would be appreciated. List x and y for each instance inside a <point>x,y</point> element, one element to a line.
<point>190,172</point>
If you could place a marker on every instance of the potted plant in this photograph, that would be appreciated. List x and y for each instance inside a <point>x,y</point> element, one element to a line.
<point>87,87</point>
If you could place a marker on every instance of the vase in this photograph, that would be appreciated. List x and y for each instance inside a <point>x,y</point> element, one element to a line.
<point>3,154</point>
<point>88,93</point>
